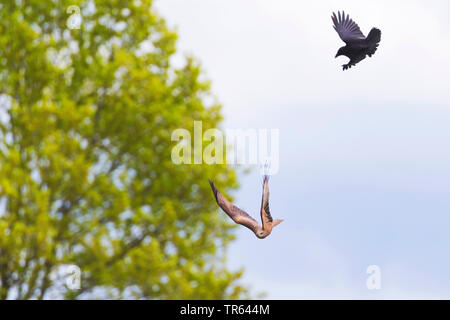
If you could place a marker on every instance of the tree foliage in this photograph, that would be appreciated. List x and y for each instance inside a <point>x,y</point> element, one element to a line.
<point>86,176</point>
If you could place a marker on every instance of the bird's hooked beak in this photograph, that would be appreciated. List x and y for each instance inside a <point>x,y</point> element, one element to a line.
<point>339,53</point>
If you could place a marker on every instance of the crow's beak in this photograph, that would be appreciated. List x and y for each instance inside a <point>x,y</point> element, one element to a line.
<point>337,55</point>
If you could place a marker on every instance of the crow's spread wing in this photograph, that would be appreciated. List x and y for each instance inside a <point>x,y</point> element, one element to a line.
<point>237,215</point>
<point>347,29</point>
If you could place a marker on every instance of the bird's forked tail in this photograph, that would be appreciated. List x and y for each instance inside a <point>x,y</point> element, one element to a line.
<point>277,222</point>
<point>373,39</point>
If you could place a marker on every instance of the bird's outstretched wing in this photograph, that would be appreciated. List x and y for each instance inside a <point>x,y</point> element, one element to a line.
<point>237,215</point>
<point>266,218</point>
<point>347,29</point>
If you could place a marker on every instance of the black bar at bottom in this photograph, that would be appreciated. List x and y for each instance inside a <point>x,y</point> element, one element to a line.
<point>253,309</point>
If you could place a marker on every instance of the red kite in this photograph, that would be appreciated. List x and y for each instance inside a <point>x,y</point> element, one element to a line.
<point>241,217</point>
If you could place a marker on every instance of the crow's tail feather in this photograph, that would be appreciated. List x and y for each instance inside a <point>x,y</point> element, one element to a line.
<point>373,39</point>
<point>374,36</point>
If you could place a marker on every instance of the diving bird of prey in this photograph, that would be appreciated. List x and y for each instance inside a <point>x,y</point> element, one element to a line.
<point>241,217</point>
<point>357,46</point>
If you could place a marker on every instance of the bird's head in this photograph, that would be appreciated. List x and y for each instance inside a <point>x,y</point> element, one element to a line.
<point>261,234</point>
<point>340,52</point>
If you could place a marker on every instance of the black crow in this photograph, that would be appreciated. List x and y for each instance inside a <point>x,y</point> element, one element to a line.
<point>357,45</point>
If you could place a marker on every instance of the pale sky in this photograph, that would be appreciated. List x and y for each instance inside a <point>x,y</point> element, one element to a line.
<point>364,154</point>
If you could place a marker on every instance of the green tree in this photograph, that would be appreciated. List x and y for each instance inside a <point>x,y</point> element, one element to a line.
<point>86,176</point>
